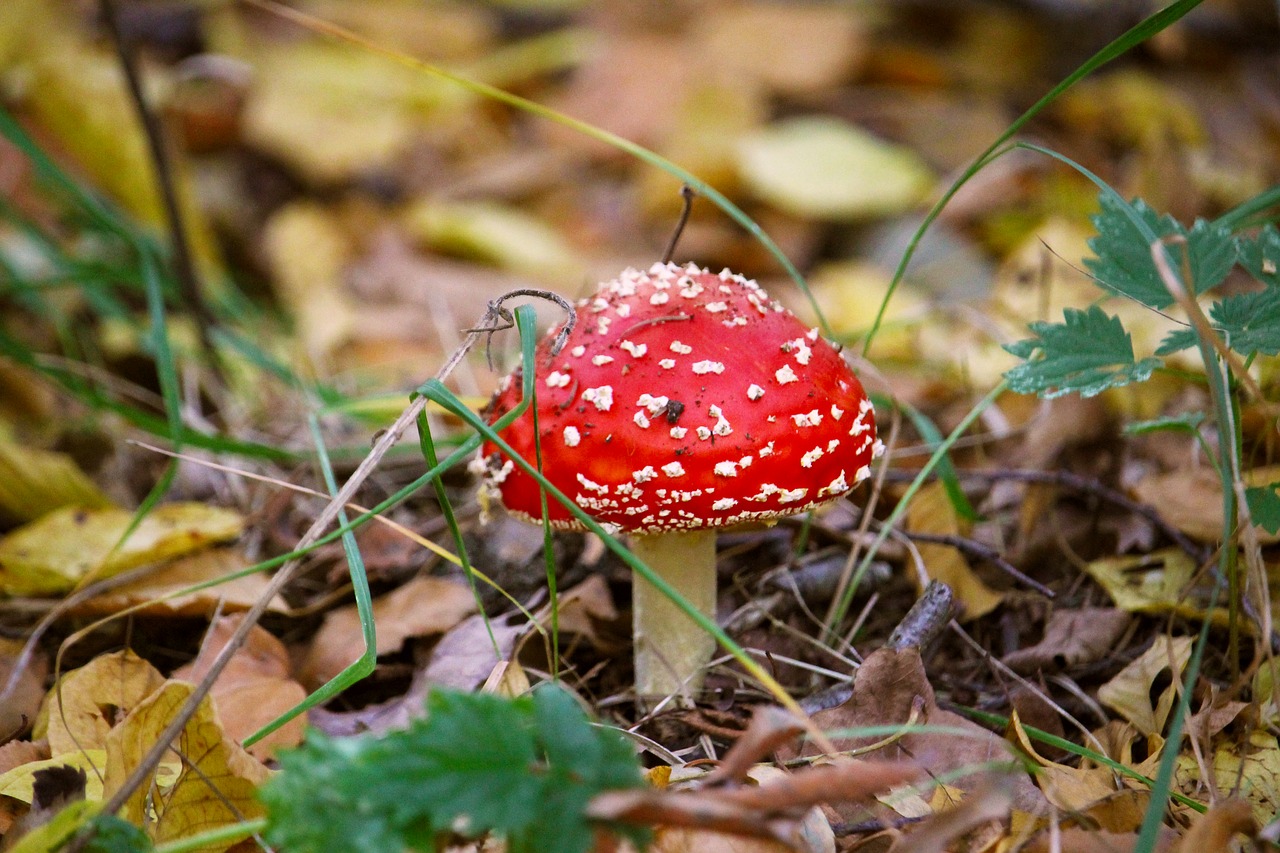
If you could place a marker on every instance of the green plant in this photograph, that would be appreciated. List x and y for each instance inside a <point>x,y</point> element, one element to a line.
<point>451,774</point>
<point>1157,262</point>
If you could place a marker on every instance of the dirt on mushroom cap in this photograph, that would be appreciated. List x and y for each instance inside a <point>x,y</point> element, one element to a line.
<point>686,399</point>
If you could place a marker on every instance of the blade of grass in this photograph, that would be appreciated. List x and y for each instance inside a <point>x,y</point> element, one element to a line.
<point>1118,47</point>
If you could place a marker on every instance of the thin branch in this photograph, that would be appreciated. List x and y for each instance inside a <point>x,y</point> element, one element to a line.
<point>183,264</point>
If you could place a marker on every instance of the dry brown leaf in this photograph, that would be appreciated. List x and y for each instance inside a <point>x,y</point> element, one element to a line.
<point>1074,840</point>
<point>1191,499</point>
<point>791,49</point>
<point>632,85</point>
<point>889,689</point>
<point>254,688</point>
<point>19,705</point>
<point>1129,692</point>
<point>423,606</point>
<point>931,512</point>
<point>93,699</point>
<point>1218,827</point>
<point>936,833</point>
<point>157,593</point>
<point>176,806</point>
<point>1072,638</point>
<point>583,609</point>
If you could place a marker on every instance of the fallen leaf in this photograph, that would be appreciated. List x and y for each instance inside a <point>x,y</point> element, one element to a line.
<point>64,548</point>
<point>17,783</point>
<point>34,482</point>
<point>497,234</point>
<point>1129,692</point>
<point>1248,770</point>
<point>931,512</point>
<point>791,49</point>
<point>1156,583</point>
<point>308,252</point>
<point>824,168</point>
<point>93,699</point>
<point>176,807</point>
<point>333,112</point>
<point>890,689</point>
<point>161,593</point>
<point>253,689</point>
<point>1072,638</point>
<point>584,610</point>
<point>937,832</point>
<point>425,605</point>
<point>1217,828</point>
<point>20,703</point>
<point>1191,499</point>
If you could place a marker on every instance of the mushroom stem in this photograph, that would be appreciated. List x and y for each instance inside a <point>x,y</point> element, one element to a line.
<point>670,649</point>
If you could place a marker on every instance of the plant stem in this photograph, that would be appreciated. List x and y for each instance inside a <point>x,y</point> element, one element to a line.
<point>670,649</point>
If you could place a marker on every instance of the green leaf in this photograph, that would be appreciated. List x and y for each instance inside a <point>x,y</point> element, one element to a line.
<point>523,768</point>
<point>1248,323</point>
<point>1188,422</point>
<point>112,834</point>
<point>1122,249</point>
<point>1260,255</point>
<point>1088,353</point>
<point>1264,506</point>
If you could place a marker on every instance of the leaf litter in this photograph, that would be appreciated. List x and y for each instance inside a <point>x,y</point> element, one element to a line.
<point>379,210</point>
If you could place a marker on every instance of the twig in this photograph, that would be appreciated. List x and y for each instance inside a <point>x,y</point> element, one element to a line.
<point>146,766</point>
<point>1087,485</point>
<point>183,265</point>
<point>688,194</point>
<point>979,551</point>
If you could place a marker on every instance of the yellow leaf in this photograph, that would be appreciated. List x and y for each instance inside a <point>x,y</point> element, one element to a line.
<point>308,252</point>
<point>60,550</point>
<point>334,113</point>
<point>214,786</point>
<point>93,699</point>
<point>931,512</point>
<point>1129,693</point>
<point>34,482</point>
<point>503,236</point>
<point>1250,770</point>
<point>17,783</point>
<point>161,593</point>
<point>825,168</point>
<point>1154,583</point>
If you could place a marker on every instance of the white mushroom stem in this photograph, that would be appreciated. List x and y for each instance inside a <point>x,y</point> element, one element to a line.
<point>671,650</point>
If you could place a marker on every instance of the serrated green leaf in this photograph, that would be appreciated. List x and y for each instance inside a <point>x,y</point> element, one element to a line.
<point>1264,506</point>
<point>522,768</point>
<point>1088,353</point>
<point>1260,255</point>
<point>1247,322</point>
<point>1122,260</point>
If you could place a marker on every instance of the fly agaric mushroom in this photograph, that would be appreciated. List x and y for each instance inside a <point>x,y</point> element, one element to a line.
<point>684,401</point>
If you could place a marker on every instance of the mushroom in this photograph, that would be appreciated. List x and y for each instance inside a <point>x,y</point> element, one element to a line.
<point>682,402</point>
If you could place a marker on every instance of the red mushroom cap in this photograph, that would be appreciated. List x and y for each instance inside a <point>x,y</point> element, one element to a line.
<point>686,399</point>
